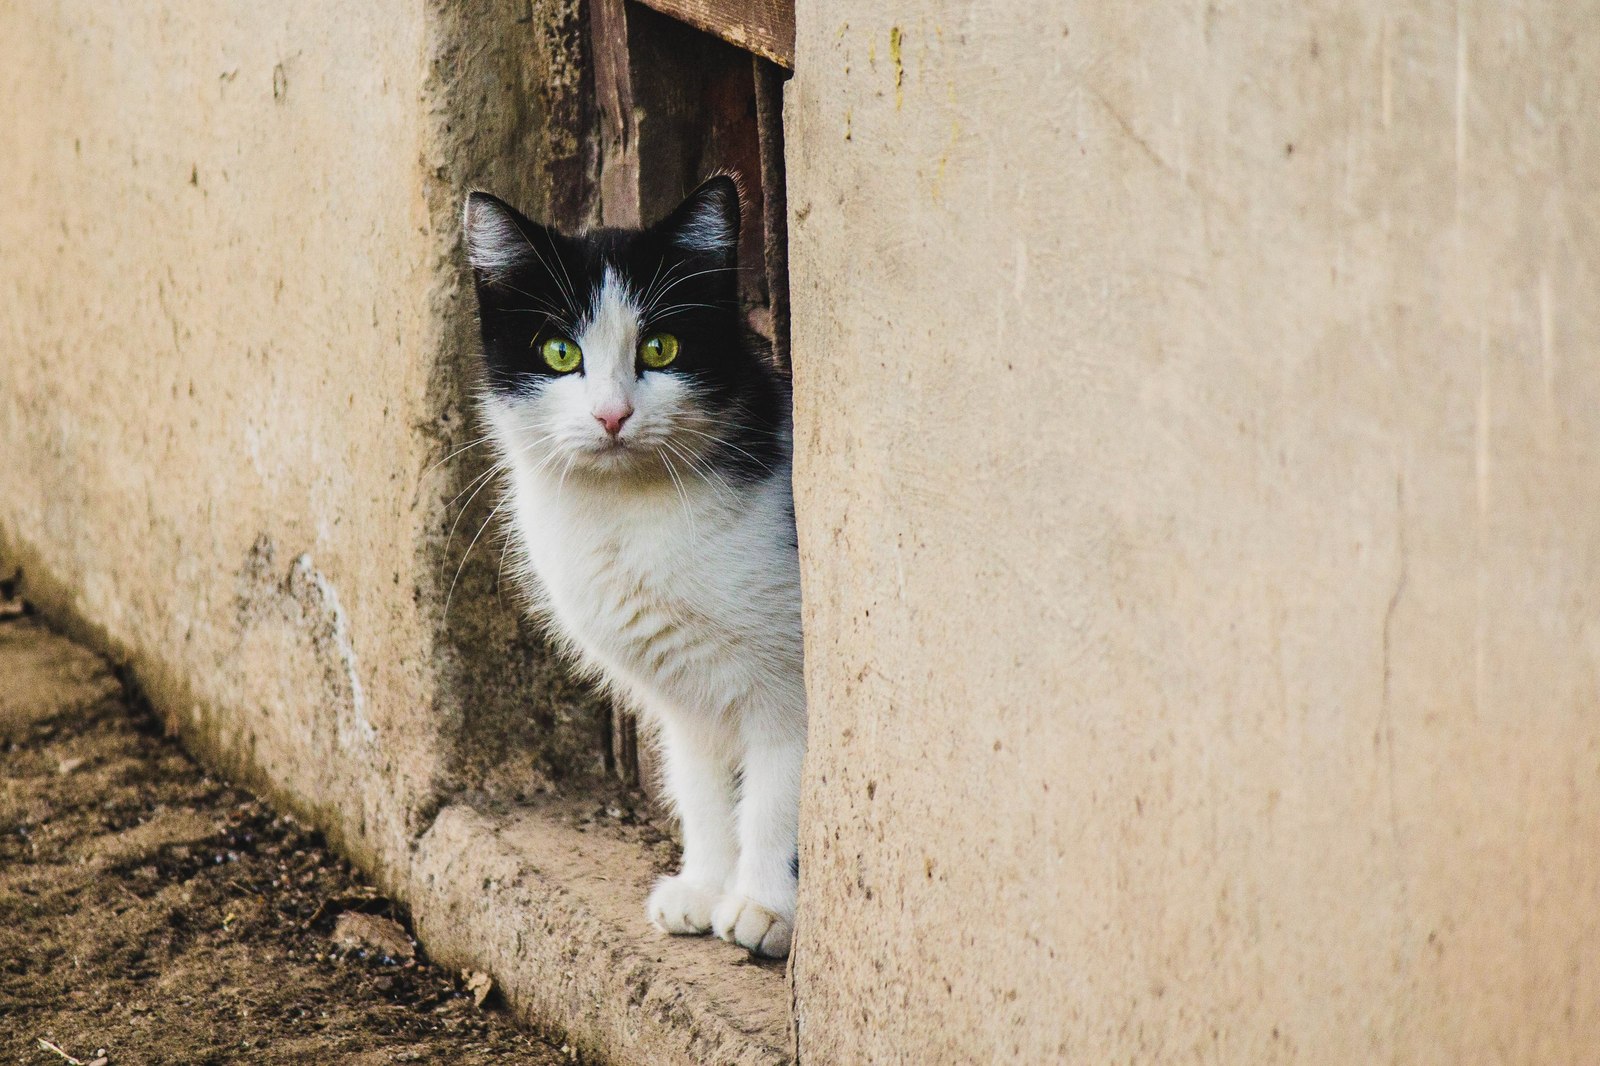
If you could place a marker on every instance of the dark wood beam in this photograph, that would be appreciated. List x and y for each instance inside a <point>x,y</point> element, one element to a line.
<point>765,27</point>
<point>619,132</point>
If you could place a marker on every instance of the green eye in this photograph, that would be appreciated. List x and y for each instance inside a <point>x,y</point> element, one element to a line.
<point>658,350</point>
<point>561,355</point>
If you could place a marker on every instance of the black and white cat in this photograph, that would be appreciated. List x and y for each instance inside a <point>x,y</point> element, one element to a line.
<point>646,439</point>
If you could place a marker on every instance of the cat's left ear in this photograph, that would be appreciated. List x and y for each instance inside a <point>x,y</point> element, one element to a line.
<point>498,236</point>
<point>707,223</point>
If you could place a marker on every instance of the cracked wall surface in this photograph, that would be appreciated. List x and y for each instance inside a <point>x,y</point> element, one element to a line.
<point>1197,416</point>
<point>237,369</point>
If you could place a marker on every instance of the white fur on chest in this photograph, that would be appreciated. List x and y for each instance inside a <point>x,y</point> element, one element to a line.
<point>683,596</point>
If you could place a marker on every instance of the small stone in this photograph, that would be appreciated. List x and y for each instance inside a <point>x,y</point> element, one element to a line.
<point>354,931</point>
<point>479,986</point>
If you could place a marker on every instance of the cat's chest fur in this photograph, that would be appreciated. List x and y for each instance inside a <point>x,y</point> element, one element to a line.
<point>684,597</point>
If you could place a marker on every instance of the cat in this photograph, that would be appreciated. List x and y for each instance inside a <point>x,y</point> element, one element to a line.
<point>647,442</point>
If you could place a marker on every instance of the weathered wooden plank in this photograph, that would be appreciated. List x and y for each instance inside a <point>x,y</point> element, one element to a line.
<point>765,27</point>
<point>697,117</point>
<point>619,134</point>
<point>769,81</point>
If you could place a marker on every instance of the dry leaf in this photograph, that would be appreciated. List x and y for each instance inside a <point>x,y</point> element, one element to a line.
<point>51,1045</point>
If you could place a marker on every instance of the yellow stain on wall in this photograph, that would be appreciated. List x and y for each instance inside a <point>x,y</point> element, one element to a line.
<point>895,57</point>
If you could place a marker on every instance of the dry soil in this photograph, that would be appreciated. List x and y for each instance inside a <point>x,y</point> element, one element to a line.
<point>152,914</point>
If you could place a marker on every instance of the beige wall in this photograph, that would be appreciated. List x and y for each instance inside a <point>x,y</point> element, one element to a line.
<point>1198,414</point>
<point>233,345</point>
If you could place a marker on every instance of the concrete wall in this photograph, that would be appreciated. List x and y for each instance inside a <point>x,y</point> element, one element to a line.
<point>1198,414</point>
<point>235,347</point>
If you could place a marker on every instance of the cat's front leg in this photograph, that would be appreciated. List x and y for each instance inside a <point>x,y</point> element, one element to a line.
<point>758,914</point>
<point>698,779</point>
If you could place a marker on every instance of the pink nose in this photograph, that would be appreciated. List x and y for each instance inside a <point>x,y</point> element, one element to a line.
<point>613,417</point>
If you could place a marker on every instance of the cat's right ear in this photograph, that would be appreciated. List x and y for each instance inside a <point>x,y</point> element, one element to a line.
<point>707,223</point>
<point>498,237</point>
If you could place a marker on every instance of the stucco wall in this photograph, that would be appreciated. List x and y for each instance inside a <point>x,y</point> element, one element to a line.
<point>235,349</point>
<point>1197,418</point>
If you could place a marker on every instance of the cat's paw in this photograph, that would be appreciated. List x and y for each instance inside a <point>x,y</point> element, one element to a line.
<point>682,908</point>
<point>741,920</point>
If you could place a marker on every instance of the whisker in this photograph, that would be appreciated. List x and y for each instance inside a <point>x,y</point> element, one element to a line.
<point>562,318</point>
<point>506,540</point>
<point>561,483</point>
<point>683,495</point>
<point>728,444</point>
<point>482,480</point>
<point>547,309</point>
<point>644,299</point>
<point>690,277</point>
<point>498,465</point>
<point>666,311</point>
<point>556,254</point>
<point>451,593</point>
<point>650,294</point>
<point>705,473</point>
<point>562,285</point>
<point>476,486</point>
<point>571,298</point>
<point>458,451</point>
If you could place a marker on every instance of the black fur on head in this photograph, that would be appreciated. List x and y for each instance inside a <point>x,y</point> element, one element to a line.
<point>681,276</point>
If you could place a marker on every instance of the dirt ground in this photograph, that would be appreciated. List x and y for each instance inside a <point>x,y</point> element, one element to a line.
<point>150,914</point>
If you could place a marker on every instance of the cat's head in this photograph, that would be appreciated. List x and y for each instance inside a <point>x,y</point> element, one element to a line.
<point>622,351</point>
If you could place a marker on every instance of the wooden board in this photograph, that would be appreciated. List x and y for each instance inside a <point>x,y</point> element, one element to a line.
<point>765,27</point>
<point>619,133</point>
<point>775,203</point>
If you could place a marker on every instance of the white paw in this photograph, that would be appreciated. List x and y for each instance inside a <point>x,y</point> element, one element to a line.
<point>745,922</point>
<point>681,907</point>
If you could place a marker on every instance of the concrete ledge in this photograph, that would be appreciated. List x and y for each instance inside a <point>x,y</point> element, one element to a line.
<point>556,912</point>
